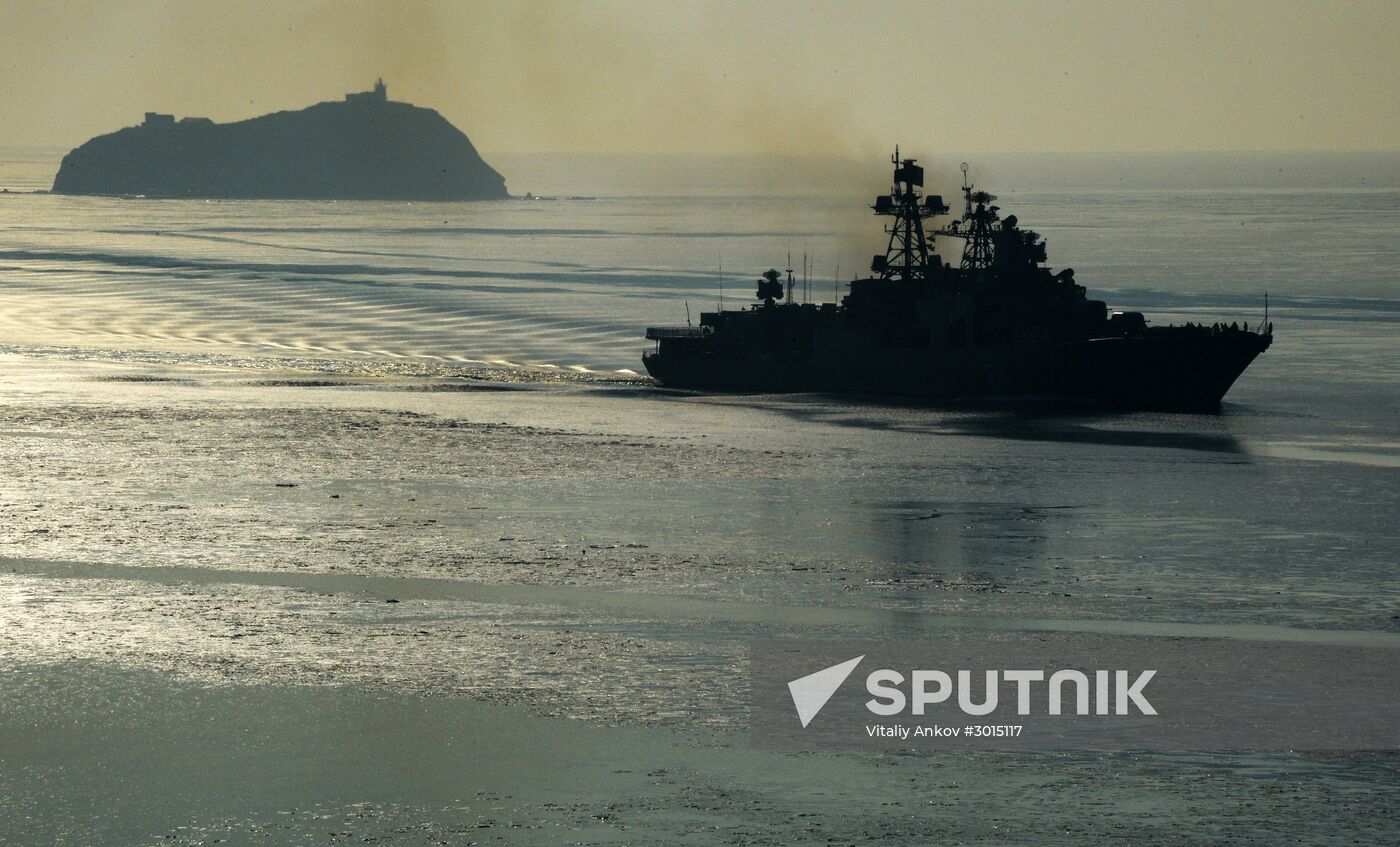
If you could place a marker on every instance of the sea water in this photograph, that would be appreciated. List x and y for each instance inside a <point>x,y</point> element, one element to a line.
<point>232,430</point>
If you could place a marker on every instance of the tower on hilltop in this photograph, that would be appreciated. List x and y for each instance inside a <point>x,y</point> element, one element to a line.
<point>378,94</point>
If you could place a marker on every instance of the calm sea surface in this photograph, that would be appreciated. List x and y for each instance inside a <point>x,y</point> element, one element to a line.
<point>166,364</point>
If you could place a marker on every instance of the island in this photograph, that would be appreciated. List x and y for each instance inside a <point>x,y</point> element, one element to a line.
<point>365,147</point>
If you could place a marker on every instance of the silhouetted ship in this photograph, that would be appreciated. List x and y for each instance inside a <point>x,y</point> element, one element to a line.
<point>366,147</point>
<point>1001,324</point>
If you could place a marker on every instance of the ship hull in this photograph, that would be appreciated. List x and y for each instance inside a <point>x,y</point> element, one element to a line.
<point>1189,373</point>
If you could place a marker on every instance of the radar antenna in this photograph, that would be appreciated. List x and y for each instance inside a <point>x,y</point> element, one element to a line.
<point>907,256</point>
<point>770,287</point>
<point>788,298</point>
<point>978,223</point>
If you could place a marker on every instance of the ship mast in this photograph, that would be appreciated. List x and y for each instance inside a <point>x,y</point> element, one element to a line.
<point>907,256</point>
<point>976,226</point>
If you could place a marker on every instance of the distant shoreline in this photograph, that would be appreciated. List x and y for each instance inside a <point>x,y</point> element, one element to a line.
<point>31,169</point>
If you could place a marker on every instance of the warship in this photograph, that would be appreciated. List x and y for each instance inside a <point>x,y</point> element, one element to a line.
<point>999,325</point>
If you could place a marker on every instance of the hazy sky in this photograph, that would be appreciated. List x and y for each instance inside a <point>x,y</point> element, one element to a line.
<point>744,76</point>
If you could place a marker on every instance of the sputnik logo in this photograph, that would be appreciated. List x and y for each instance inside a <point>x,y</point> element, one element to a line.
<point>810,693</point>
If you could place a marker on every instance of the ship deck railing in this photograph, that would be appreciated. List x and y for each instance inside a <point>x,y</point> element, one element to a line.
<point>657,333</point>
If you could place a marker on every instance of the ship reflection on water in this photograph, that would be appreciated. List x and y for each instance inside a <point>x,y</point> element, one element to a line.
<point>1020,420</point>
